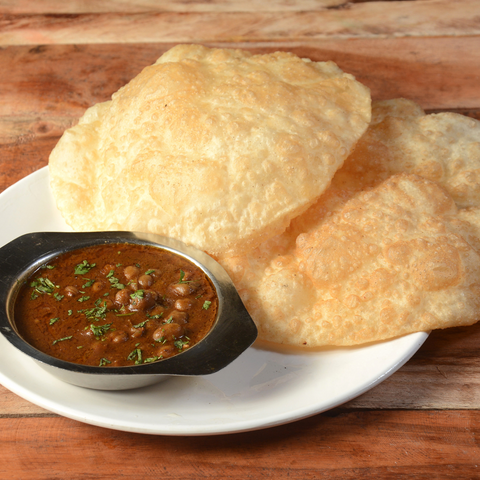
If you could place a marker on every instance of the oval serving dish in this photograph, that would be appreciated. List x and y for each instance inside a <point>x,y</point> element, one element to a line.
<point>231,334</point>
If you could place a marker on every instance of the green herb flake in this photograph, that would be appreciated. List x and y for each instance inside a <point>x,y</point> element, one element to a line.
<point>83,299</point>
<point>136,354</point>
<point>54,320</point>
<point>137,294</point>
<point>98,312</point>
<point>182,276</point>
<point>70,312</point>
<point>206,304</point>
<point>99,330</point>
<point>115,283</point>
<point>83,268</point>
<point>104,361</point>
<point>62,339</point>
<point>181,343</point>
<point>151,359</point>
<point>141,324</point>
<point>43,286</point>
<point>58,297</point>
<point>149,272</point>
<point>88,283</point>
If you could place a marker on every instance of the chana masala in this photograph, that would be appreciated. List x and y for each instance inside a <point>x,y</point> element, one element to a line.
<point>116,305</point>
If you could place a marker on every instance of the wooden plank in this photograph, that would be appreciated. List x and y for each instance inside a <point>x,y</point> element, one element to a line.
<point>443,374</point>
<point>134,6</point>
<point>14,406</point>
<point>367,20</point>
<point>64,80</point>
<point>359,445</point>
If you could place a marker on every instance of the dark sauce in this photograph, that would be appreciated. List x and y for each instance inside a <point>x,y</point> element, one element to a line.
<point>116,305</point>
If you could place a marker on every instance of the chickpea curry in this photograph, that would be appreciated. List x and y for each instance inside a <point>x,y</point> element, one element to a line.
<point>116,305</point>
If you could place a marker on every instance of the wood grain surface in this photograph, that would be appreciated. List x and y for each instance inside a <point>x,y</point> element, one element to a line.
<point>57,58</point>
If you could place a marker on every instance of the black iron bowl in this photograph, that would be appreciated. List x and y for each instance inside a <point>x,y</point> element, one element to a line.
<point>232,333</point>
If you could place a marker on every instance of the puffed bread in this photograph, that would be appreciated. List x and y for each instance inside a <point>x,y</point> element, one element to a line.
<point>219,148</point>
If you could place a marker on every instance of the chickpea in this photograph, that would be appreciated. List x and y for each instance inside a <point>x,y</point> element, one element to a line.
<point>46,311</point>
<point>143,302</point>
<point>155,272</point>
<point>107,303</point>
<point>183,304</point>
<point>182,289</point>
<point>169,332</point>
<point>98,286</point>
<point>131,272</point>
<point>145,281</point>
<point>107,268</point>
<point>178,317</point>
<point>71,291</point>
<point>119,337</point>
<point>98,348</point>
<point>137,332</point>
<point>122,297</point>
<point>157,310</point>
<point>166,351</point>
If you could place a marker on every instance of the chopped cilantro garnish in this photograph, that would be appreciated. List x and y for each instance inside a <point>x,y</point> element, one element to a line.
<point>58,297</point>
<point>97,312</point>
<point>104,361</point>
<point>181,343</point>
<point>43,285</point>
<point>53,320</point>
<point>182,276</point>
<point>83,268</point>
<point>62,339</point>
<point>141,324</point>
<point>152,359</point>
<point>83,299</point>
<point>99,330</point>
<point>137,353</point>
<point>88,283</point>
<point>114,281</point>
<point>206,304</point>
<point>137,294</point>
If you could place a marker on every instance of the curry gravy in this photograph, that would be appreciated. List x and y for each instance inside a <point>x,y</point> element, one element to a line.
<point>116,305</point>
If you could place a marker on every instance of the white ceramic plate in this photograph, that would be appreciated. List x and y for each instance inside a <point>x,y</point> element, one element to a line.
<point>260,389</point>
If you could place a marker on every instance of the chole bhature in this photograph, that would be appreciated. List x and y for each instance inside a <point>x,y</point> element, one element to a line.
<point>340,222</point>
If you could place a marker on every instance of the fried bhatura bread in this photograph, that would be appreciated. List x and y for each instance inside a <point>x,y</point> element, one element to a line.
<point>387,263</point>
<point>219,148</point>
<point>443,147</point>
<point>270,278</point>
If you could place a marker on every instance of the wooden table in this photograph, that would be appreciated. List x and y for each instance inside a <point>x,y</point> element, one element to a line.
<point>58,57</point>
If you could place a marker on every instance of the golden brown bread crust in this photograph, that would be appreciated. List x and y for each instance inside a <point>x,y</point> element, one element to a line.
<point>387,263</point>
<point>377,256</point>
<point>218,148</point>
